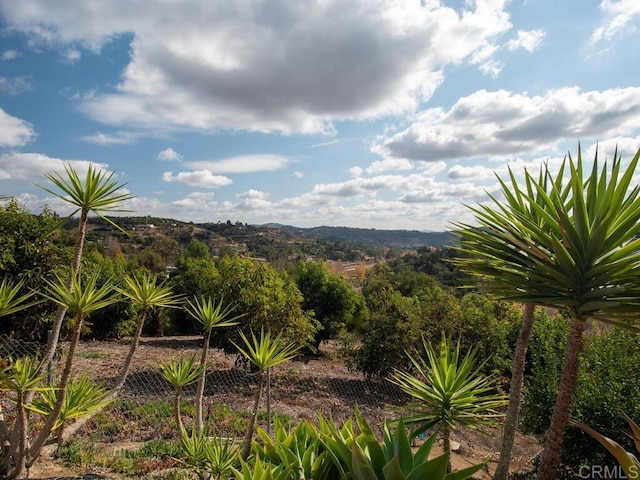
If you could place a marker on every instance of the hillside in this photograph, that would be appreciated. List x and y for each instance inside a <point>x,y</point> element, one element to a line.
<point>271,242</point>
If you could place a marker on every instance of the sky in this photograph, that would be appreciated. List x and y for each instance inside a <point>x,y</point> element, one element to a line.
<point>373,114</point>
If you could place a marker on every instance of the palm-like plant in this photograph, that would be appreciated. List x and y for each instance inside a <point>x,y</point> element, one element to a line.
<point>579,253</point>
<point>145,294</point>
<point>210,457</point>
<point>10,300</point>
<point>97,194</point>
<point>180,373</point>
<point>19,376</point>
<point>210,314</point>
<point>451,391</point>
<point>264,352</point>
<point>80,300</point>
<point>82,398</point>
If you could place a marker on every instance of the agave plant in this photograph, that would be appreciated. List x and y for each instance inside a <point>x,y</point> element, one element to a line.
<point>180,373</point>
<point>210,314</point>
<point>264,352</point>
<point>362,457</point>
<point>259,470</point>
<point>299,449</point>
<point>627,460</point>
<point>451,391</point>
<point>209,457</point>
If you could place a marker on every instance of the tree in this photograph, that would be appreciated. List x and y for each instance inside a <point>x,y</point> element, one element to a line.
<point>98,194</point>
<point>332,299</point>
<point>569,244</point>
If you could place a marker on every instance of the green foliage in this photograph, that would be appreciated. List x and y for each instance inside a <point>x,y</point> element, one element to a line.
<point>299,450</point>
<point>82,397</point>
<point>362,457</point>
<point>198,249</point>
<point>397,323</point>
<point>450,391</point>
<point>628,461</point>
<point>333,301</point>
<point>604,389</point>
<point>264,297</point>
<point>210,457</point>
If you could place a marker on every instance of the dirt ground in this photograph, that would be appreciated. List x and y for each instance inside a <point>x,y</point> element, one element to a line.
<point>304,388</point>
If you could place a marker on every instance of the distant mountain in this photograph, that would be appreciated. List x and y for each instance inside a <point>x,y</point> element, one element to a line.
<point>404,239</point>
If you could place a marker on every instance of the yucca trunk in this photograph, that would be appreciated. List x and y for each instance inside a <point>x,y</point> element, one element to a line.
<point>201,381</point>
<point>446,443</point>
<point>62,311</point>
<point>553,448</point>
<point>80,422</point>
<point>515,393</point>
<point>43,436</point>
<point>176,402</point>
<point>252,422</point>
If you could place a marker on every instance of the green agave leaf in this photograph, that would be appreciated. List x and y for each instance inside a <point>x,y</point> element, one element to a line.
<point>392,470</point>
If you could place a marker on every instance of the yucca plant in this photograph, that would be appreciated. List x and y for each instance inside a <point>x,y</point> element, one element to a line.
<point>627,460</point>
<point>99,194</point>
<point>80,299</point>
<point>82,398</point>
<point>264,352</point>
<point>450,390</point>
<point>180,373</point>
<point>299,448</point>
<point>18,377</point>
<point>360,456</point>
<point>10,300</point>
<point>208,456</point>
<point>210,314</point>
<point>579,253</point>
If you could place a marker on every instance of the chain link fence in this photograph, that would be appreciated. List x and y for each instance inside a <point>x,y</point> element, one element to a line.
<point>300,389</point>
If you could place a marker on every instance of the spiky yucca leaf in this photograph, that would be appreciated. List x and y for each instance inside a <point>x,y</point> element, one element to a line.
<point>180,373</point>
<point>570,244</point>
<point>10,301</point>
<point>266,351</point>
<point>211,313</point>
<point>82,397</point>
<point>96,194</point>
<point>145,292</point>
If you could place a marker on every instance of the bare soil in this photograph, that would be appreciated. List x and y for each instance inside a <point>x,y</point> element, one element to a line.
<point>302,389</point>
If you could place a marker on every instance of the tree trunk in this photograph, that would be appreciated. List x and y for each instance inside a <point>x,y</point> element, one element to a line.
<point>515,394</point>
<point>177,411</point>
<point>61,311</point>
<point>446,444</point>
<point>42,437</point>
<point>551,455</point>
<point>247,440</point>
<point>80,422</point>
<point>203,375</point>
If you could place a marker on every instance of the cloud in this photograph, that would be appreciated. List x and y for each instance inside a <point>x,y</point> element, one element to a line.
<point>15,85</point>
<point>380,166</point>
<point>620,17</point>
<point>243,164</point>
<point>292,67</point>
<point>504,123</point>
<point>458,172</point>
<point>529,40</point>
<point>14,132</point>
<point>9,55</point>
<point>298,174</point>
<point>33,166</point>
<point>169,155</point>
<point>120,138</point>
<point>356,172</point>
<point>200,178</point>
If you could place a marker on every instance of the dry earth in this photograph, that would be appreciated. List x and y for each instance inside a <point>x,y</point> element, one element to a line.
<point>304,388</point>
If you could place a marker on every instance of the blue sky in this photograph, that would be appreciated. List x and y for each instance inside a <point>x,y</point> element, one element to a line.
<point>376,114</point>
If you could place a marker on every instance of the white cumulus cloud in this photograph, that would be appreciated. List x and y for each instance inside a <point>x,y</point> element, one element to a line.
<point>169,155</point>
<point>14,132</point>
<point>198,178</point>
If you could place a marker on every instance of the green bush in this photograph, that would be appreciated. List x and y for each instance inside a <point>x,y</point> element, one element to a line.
<point>607,384</point>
